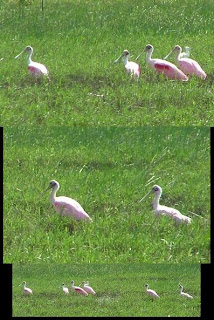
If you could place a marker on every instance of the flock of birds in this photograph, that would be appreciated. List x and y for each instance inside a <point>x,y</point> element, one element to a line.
<point>70,207</point>
<point>86,290</point>
<point>185,66</point>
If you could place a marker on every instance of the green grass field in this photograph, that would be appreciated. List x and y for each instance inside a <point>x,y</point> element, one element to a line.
<point>119,287</point>
<point>108,170</point>
<point>79,40</point>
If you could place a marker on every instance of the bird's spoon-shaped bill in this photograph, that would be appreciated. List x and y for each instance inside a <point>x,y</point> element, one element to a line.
<point>145,196</point>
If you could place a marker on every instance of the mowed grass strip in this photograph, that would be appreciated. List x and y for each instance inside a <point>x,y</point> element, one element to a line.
<point>120,290</point>
<point>107,170</point>
<point>79,40</point>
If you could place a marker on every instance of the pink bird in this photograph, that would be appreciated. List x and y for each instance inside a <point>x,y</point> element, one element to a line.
<point>87,288</point>
<point>166,68</point>
<point>36,69</point>
<point>130,66</point>
<point>65,205</point>
<point>78,289</point>
<point>150,292</point>
<point>187,65</point>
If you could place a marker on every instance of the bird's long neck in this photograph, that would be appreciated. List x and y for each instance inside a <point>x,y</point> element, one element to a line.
<point>181,289</point>
<point>149,55</point>
<point>155,202</point>
<point>53,194</point>
<point>177,55</point>
<point>29,57</point>
<point>125,61</point>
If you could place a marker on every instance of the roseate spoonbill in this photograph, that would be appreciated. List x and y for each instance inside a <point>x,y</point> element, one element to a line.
<point>184,54</point>
<point>65,205</point>
<point>87,288</point>
<point>163,210</point>
<point>78,289</point>
<point>150,292</point>
<point>65,289</point>
<point>36,69</point>
<point>167,68</point>
<point>187,65</point>
<point>184,294</point>
<point>27,291</point>
<point>130,66</point>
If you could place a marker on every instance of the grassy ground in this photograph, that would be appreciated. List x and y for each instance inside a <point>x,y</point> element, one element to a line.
<point>107,170</point>
<point>120,290</point>
<point>79,40</point>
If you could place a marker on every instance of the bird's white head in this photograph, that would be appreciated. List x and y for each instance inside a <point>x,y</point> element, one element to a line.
<point>28,49</point>
<point>157,189</point>
<point>148,48</point>
<point>72,282</point>
<point>124,54</point>
<point>53,185</point>
<point>146,286</point>
<point>177,48</point>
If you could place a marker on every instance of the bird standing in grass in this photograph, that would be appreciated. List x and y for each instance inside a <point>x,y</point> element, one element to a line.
<point>65,289</point>
<point>164,210</point>
<point>78,289</point>
<point>150,292</point>
<point>35,69</point>
<point>27,291</point>
<point>65,205</point>
<point>87,288</point>
<point>131,67</point>
<point>166,68</point>
<point>187,65</point>
<point>184,294</point>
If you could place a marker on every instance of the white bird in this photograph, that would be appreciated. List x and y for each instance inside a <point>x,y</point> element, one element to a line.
<point>35,69</point>
<point>65,289</point>
<point>150,292</point>
<point>65,205</point>
<point>164,210</point>
<point>184,294</point>
<point>131,67</point>
<point>87,288</point>
<point>78,289</point>
<point>27,291</point>
<point>184,54</point>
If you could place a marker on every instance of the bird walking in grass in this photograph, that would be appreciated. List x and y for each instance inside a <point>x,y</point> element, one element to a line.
<point>87,288</point>
<point>151,292</point>
<point>65,205</point>
<point>184,294</point>
<point>187,65</point>
<point>78,289</point>
<point>184,54</point>
<point>131,67</point>
<point>27,291</point>
<point>164,210</point>
<point>65,289</point>
<point>35,69</point>
<point>164,67</point>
